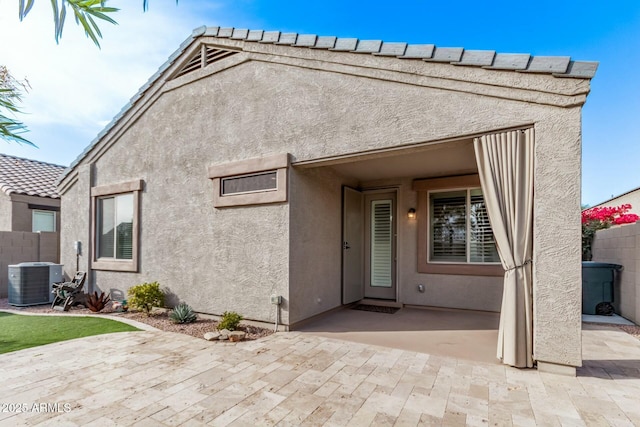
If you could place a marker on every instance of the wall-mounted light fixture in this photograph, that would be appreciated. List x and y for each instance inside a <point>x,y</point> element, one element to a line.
<point>411,214</point>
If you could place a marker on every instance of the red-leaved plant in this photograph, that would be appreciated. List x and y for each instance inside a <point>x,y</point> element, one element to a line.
<point>598,218</point>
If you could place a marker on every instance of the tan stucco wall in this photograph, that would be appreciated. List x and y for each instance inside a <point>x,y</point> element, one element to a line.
<point>15,214</point>
<point>441,290</point>
<point>621,245</point>
<point>22,216</point>
<point>75,227</point>
<point>216,260</point>
<point>315,241</point>
<point>315,265</point>
<point>317,104</point>
<point>557,258</point>
<point>20,246</point>
<point>5,212</point>
<point>632,198</point>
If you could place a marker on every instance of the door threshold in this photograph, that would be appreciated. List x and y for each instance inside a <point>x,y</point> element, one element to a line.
<point>380,302</point>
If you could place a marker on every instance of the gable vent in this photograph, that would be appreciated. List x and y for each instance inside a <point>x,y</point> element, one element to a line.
<point>205,56</point>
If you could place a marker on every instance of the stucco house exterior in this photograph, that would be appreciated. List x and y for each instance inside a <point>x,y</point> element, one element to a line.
<point>631,197</point>
<point>329,170</point>
<point>29,200</point>
<point>29,213</point>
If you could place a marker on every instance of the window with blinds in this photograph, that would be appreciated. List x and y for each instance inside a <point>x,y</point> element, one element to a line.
<point>115,227</point>
<point>459,228</point>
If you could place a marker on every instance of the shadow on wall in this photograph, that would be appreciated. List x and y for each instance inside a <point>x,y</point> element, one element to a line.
<point>170,298</point>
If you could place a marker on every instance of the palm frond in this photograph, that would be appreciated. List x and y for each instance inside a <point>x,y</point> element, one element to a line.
<point>10,130</point>
<point>85,10</point>
<point>11,90</point>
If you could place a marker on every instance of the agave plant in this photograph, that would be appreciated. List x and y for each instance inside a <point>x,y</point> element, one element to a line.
<point>96,303</point>
<point>182,313</point>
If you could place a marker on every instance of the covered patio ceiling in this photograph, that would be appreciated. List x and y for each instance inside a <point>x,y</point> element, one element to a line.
<point>427,161</point>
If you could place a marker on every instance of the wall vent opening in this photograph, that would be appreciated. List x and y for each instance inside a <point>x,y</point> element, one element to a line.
<point>205,56</point>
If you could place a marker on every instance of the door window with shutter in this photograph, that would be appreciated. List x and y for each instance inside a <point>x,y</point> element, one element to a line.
<point>381,244</point>
<point>459,230</point>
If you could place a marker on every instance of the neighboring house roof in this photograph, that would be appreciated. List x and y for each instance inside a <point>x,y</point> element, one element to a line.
<point>557,66</point>
<point>631,197</point>
<point>30,177</point>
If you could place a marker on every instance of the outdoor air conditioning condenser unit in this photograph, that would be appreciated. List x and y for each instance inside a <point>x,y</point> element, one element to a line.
<point>30,283</point>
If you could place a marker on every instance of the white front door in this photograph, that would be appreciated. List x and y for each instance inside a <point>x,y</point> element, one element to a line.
<point>352,245</point>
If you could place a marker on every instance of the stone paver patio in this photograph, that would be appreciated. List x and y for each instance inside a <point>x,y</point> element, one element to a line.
<point>158,378</point>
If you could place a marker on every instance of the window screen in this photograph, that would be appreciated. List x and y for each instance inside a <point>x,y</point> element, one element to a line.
<point>264,181</point>
<point>43,221</point>
<point>115,227</point>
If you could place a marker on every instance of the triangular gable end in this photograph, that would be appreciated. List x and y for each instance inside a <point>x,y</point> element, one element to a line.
<point>191,57</point>
<point>205,55</point>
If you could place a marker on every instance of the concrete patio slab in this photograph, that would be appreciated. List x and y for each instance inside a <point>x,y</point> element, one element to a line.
<point>166,379</point>
<point>614,319</point>
<point>464,334</point>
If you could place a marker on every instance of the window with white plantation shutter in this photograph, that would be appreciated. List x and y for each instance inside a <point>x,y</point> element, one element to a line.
<point>381,243</point>
<point>482,246</point>
<point>448,226</point>
<point>460,231</point>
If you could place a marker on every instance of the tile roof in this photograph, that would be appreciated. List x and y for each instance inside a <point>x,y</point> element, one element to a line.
<point>557,66</point>
<point>30,177</point>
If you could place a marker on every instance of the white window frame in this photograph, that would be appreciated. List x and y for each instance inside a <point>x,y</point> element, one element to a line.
<point>42,211</point>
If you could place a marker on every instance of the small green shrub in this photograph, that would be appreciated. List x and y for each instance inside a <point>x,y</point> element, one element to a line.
<point>229,321</point>
<point>182,313</point>
<point>146,296</point>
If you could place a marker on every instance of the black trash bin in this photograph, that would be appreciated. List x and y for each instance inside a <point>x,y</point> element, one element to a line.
<point>599,286</point>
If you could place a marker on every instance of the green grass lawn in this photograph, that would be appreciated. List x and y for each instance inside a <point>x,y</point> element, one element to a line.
<point>19,331</point>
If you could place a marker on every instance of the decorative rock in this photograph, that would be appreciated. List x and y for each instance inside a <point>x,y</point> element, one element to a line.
<point>160,310</point>
<point>236,336</point>
<point>224,334</point>
<point>212,336</point>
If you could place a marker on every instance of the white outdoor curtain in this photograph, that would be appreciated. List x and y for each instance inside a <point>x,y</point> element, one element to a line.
<point>505,166</point>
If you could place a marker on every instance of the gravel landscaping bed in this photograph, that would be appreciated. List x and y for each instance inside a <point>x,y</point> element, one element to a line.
<point>160,320</point>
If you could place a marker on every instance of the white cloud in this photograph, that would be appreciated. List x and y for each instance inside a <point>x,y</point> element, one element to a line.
<point>75,83</point>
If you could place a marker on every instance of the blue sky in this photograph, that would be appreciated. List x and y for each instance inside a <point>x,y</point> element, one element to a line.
<point>77,88</point>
